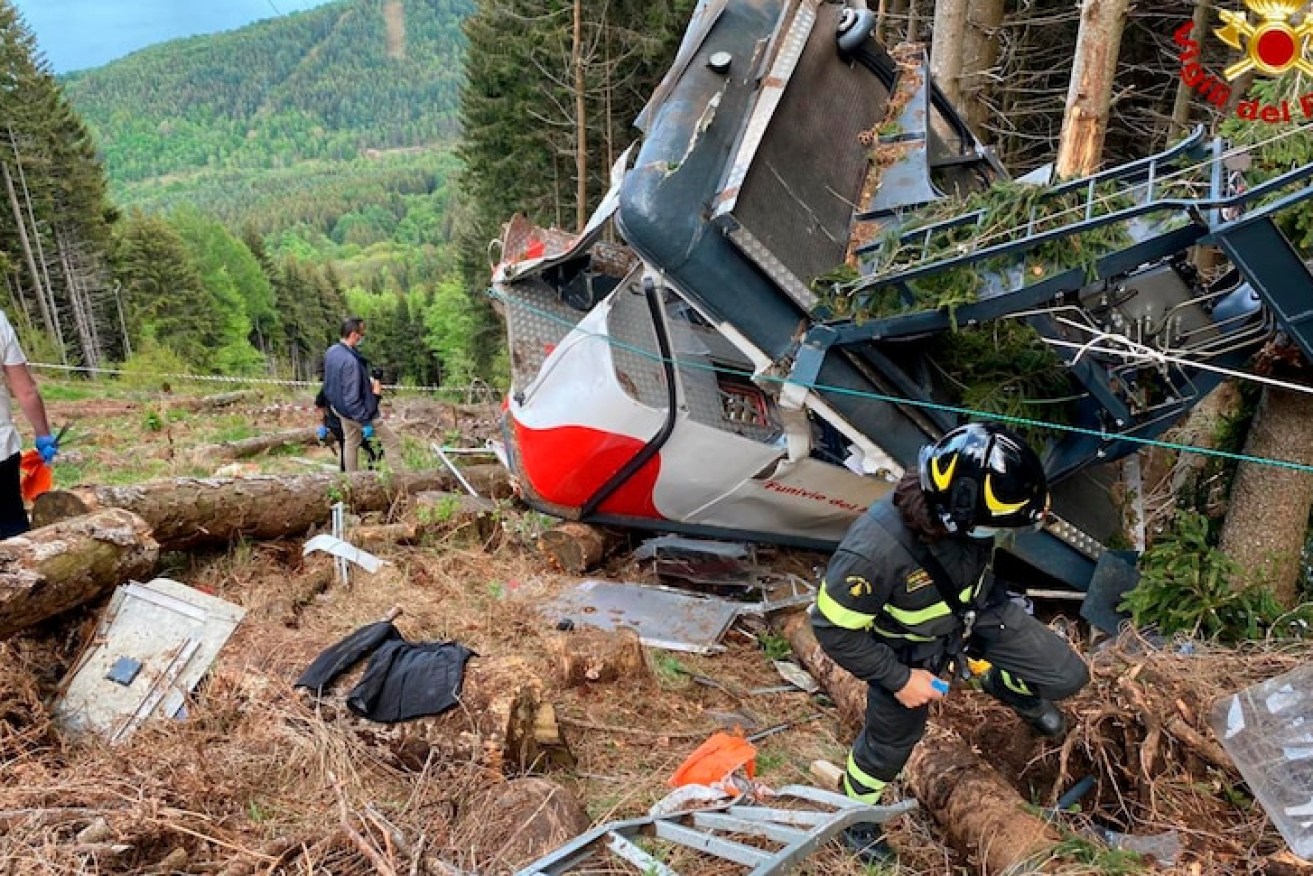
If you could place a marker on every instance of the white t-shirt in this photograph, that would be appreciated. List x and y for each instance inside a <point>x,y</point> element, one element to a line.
<point>10,354</point>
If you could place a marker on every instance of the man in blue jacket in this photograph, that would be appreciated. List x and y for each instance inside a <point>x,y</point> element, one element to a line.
<point>353,396</point>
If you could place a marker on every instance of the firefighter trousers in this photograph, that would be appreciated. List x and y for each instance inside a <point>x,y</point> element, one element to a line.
<point>1034,662</point>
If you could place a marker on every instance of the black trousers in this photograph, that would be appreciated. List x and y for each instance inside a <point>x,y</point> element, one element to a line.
<point>13,515</point>
<point>1038,663</point>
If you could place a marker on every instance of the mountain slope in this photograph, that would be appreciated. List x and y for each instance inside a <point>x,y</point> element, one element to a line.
<point>329,83</point>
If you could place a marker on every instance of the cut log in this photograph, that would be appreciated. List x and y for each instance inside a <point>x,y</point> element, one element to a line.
<point>491,480</point>
<point>209,454</point>
<point>978,810</point>
<point>54,568</point>
<point>385,534</point>
<point>219,400</point>
<point>982,815</point>
<point>591,655</point>
<point>576,547</point>
<point>189,512</point>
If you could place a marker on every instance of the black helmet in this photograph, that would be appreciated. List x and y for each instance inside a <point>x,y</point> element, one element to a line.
<point>980,478</point>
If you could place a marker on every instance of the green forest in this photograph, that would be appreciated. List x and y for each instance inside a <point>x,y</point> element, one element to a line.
<point>218,203</point>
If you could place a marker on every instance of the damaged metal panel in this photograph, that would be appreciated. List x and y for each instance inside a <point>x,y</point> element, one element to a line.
<point>662,616</point>
<point>153,644</point>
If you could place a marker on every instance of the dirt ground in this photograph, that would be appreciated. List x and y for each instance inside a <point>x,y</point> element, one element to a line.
<point>261,778</point>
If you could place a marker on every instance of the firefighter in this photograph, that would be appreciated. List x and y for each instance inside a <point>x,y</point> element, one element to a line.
<point>909,594</point>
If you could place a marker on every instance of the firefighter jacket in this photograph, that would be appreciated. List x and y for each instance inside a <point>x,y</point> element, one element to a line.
<point>878,612</point>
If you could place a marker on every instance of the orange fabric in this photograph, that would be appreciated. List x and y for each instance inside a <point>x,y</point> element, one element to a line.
<point>714,761</point>
<point>35,477</point>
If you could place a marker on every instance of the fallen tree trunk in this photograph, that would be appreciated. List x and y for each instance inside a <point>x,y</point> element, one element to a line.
<point>54,568</point>
<point>978,810</point>
<point>208,454</point>
<point>982,815</point>
<point>188,512</point>
<point>220,400</point>
<point>848,693</point>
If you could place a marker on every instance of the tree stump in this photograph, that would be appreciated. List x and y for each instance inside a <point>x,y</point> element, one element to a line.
<point>589,655</point>
<point>513,823</point>
<point>471,519</point>
<point>576,547</point>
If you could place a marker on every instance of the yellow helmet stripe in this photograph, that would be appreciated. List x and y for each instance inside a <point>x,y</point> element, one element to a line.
<point>996,505</point>
<point>944,478</point>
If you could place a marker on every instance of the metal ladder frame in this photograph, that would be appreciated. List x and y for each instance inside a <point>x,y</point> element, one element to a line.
<point>801,831</point>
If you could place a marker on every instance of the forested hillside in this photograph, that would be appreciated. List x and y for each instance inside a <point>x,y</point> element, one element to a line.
<point>332,82</point>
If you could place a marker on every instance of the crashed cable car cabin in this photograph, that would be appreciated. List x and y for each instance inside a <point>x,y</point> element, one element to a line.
<point>708,375</point>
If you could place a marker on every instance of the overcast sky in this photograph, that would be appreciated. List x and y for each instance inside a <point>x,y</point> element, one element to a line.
<point>76,34</point>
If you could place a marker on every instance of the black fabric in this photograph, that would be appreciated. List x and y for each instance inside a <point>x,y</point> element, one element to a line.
<point>13,516</point>
<point>347,653</point>
<point>405,680</point>
<point>915,547</point>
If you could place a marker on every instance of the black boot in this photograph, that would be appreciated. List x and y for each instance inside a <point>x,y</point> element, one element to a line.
<point>867,843</point>
<point>1043,717</point>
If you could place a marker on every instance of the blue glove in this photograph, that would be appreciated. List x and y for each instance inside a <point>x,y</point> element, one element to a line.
<point>322,433</point>
<point>368,431</point>
<point>48,447</point>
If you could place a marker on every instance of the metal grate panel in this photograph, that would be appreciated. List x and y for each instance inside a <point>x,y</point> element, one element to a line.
<point>798,208</point>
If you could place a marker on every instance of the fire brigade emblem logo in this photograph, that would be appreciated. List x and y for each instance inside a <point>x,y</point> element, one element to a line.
<point>857,586</point>
<point>1272,46</point>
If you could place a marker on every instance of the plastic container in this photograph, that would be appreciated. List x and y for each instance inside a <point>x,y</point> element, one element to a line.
<point>1267,729</point>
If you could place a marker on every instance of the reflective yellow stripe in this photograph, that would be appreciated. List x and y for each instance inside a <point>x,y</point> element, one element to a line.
<point>852,793</point>
<point>997,505</point>
<point>861,785</point>
<point>909,618</point>
<point>839,615</point>
<point>942,478</point>
<point>911,637</point>
<point>1015,684</point>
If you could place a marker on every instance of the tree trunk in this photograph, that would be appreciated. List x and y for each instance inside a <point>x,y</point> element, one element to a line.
<point>221,400</point>
<point>54,568</point>
<point>980,813</point>
<point>591,655</point>
<point>1267,521</point>
<point>580,120</point>
<point>576,547</point>
<point>983,816</point>
<point>848,693</point>
<point>1089,97</point>
<point>208,454</point>
<point>1185,94</point>
<point>46,318</point>
<point>188,512</point>
<point>979,57</point>
<point>948,46</point>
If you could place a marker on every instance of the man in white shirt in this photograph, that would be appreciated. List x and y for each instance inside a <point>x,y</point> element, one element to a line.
<point>22,386</point>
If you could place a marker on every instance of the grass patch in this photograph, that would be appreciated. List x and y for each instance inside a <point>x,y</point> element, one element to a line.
<point>670,672</point>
